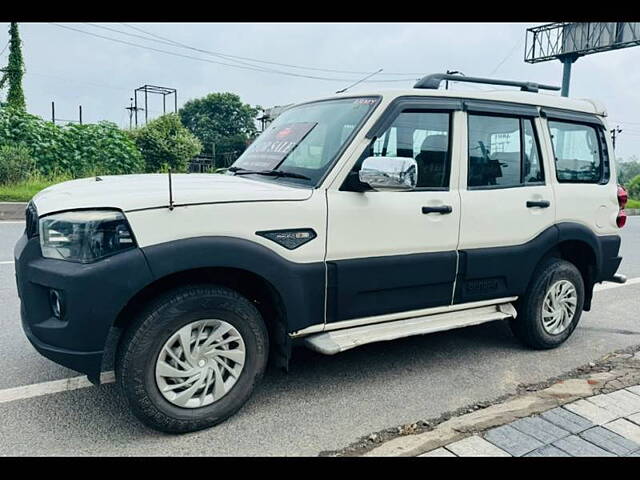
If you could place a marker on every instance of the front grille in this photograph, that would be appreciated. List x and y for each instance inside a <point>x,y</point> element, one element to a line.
<point>31,217</point>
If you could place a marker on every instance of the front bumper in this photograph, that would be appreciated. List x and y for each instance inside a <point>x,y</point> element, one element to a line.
<point>93,296</point>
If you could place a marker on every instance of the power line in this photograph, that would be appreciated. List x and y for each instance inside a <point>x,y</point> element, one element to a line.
<point>258,69</point>
<point>515,47</point>
<point>229,56</point>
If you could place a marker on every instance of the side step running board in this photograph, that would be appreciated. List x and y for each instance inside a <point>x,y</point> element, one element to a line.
<point>338,341</point>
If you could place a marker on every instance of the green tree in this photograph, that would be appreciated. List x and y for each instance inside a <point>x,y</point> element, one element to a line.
<point>628,170</point>
<point>14,71</point>
<point>165,143</point>
<point>633,188</point>
<point>221,119</point>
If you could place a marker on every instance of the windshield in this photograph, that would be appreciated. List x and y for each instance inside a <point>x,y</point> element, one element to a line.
<point>305,140</point>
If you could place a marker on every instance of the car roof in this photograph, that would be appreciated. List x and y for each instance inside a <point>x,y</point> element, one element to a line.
<point>503,95</point>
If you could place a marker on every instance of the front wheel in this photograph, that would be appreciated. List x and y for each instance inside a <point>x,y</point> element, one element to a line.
<point>193,358</point>
<point>550,310</point>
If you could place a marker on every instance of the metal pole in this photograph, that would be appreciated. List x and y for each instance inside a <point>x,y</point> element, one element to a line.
<point>80,113</point>
<point>175,101</point>
<point>146,109</point>
<point>567,61</point>
<point>53,112</point>
<point>164,103</point>
<point>136,107</point>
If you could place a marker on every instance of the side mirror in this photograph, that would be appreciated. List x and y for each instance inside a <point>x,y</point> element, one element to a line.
<point>389,174</point>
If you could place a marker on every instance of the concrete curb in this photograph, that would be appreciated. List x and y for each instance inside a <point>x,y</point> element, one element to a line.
<point>12,210</point>
<point>463,426</point>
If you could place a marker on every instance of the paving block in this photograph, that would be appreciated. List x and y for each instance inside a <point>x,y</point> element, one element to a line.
<point>540,429</point>
<point>634,418</point>
<point>624,427</point>
<point>635,390</point>
<point>578,447</point>
<point>620,402</point>
<point>512,441</point>
<point>591,412</point>
<point>438,452</point>
<point>610,441</point>
<point>567,420</point>
<point>475,446</point>
<point>547,451</point>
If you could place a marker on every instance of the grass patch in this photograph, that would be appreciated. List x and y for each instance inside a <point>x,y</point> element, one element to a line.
<point>24,191</point>
<point>633,203</point>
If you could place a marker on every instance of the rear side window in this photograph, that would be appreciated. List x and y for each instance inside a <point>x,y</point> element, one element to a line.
<point>580,152</point>
<point>503,152</point>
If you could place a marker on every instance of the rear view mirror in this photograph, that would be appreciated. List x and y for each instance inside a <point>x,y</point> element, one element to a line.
<point>393,174</point>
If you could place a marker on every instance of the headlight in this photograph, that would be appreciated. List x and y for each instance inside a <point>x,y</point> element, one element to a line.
<point>84,235</point>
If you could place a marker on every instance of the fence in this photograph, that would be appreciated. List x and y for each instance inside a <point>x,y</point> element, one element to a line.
<point>204,163</point>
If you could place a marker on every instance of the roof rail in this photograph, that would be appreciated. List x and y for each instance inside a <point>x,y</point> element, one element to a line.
<point>433,82</point>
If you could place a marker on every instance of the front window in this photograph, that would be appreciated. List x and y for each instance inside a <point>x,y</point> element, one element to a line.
<point>305,140</point>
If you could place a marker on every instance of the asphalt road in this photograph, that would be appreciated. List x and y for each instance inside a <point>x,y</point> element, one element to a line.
<point>323,403</point>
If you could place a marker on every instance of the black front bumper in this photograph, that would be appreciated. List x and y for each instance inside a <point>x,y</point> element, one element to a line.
<point>93,296</point>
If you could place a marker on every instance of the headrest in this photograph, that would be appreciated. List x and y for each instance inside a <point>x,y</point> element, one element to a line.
<point>435,142</point>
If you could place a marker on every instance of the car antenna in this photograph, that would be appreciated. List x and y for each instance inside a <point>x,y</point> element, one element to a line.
<point>170,192</point>
<point>359,81</point>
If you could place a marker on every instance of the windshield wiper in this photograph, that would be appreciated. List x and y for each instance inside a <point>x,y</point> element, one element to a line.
<point>270,173</point>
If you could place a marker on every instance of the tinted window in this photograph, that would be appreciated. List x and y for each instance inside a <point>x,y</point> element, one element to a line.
<point>494,151</point>
<point>503,152</point>
<point>423,136</point>
<point>532,166</point>
<point>579,152</point>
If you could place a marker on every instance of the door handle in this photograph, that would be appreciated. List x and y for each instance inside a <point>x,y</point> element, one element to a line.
<point>538,203</point>
<point>441,209</point>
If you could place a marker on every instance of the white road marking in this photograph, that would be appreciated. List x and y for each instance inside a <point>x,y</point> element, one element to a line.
<point>8,262</point>
<point>47,388</point>
<point>10,222</point>
<point>608,285</point>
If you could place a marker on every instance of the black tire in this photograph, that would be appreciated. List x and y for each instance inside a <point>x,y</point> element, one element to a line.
<point>143,340</point>
<point>528,326</point>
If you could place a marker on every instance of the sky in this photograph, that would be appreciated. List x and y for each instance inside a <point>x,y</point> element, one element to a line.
<point>74,68</point>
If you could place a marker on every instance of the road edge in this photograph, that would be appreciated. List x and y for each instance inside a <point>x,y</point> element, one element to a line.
<point>615,370</point>
<point>12,210</point>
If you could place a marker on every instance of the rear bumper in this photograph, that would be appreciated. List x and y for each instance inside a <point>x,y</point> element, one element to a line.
<point>93,296</point>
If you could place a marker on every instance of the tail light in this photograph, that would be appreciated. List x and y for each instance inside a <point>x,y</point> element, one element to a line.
<point>623,198</point>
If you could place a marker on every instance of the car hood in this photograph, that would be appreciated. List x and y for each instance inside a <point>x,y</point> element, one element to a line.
<point>133,192</point>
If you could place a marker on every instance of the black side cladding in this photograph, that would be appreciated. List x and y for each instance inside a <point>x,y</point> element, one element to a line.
<point>300,285</point>
<point>486,273</point>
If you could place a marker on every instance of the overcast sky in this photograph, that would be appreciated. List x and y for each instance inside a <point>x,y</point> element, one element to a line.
<point>73,68</point>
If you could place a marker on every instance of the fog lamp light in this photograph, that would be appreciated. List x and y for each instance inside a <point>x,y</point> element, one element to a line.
<point>57,305</point>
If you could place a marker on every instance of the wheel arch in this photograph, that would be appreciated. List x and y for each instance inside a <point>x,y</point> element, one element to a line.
<point>289,295</point>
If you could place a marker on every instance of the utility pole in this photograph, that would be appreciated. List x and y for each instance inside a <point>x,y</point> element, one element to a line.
<point>132,109</point>
<point>614,133</point>
<point>80,113</point>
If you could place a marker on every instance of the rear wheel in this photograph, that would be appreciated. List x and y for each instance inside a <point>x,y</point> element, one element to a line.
<point>550,310</point>
<point>193,358</point>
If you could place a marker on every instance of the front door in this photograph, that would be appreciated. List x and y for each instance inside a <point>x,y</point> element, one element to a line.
<point>395,252</point>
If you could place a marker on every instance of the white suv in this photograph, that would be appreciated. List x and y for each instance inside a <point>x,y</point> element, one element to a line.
<point>351,219</point>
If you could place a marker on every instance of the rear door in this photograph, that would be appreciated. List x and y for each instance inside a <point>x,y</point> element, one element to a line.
<point>508,207</point>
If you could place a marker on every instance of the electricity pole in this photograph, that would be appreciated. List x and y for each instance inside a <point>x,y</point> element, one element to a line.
<point>614,133</point>
<point>132,109</point>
